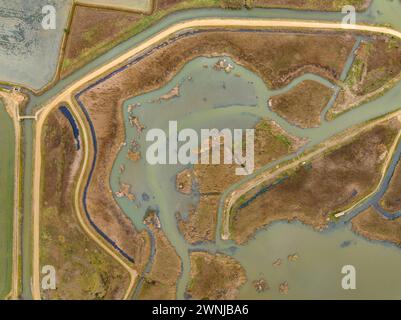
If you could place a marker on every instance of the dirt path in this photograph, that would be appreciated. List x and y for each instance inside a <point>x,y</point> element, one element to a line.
<point>66,95</point>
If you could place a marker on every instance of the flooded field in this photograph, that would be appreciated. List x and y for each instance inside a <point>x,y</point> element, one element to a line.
<point>7,152</point>
<point>28,53</point>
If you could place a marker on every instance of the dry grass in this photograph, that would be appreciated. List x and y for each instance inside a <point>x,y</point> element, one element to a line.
<point>303,104</point>
<point>271,142</point>
<point>376,66</point>
<point>161,282</point>
<point>93,28</point>
<point>201,222</point>
<point>374,226</point>
<point>83,270</point>
<point>214,277</point>
<point>314,191</point>
<point>321,5</point>
<point>278,57</point>
<point>391,200</point>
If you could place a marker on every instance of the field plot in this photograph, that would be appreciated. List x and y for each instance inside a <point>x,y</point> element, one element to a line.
<point>6,197</point>
<point>135,5</point>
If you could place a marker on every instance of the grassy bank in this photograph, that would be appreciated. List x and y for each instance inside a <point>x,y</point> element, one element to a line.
<point>7,151</point>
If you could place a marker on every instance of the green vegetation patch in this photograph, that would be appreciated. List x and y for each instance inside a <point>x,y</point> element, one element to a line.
<point>7,158</point>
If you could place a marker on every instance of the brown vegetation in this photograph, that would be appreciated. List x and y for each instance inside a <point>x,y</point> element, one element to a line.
<point>271,142</point>
<point>88,39</point>
<point>93,29</point>
<point>372,225</point>
<point>84,271</point>
<point>277,57</point>
<point>391,200</point>
<point>303,104</point>
<point>321,5</point>
<point>184,181</point>
<point>214,277</point>
<point>314,191</point>
<point>377,62</point>
<point>292,57</point>
<point>201,222</point>
<point>161,282</point>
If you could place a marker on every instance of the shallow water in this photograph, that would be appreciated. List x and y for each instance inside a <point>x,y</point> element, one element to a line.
<point>317,272</point>
<point>28,53</point>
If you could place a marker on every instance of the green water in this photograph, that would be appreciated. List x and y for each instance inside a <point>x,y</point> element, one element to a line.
<point>317,272</point>
<point>7,157</point>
